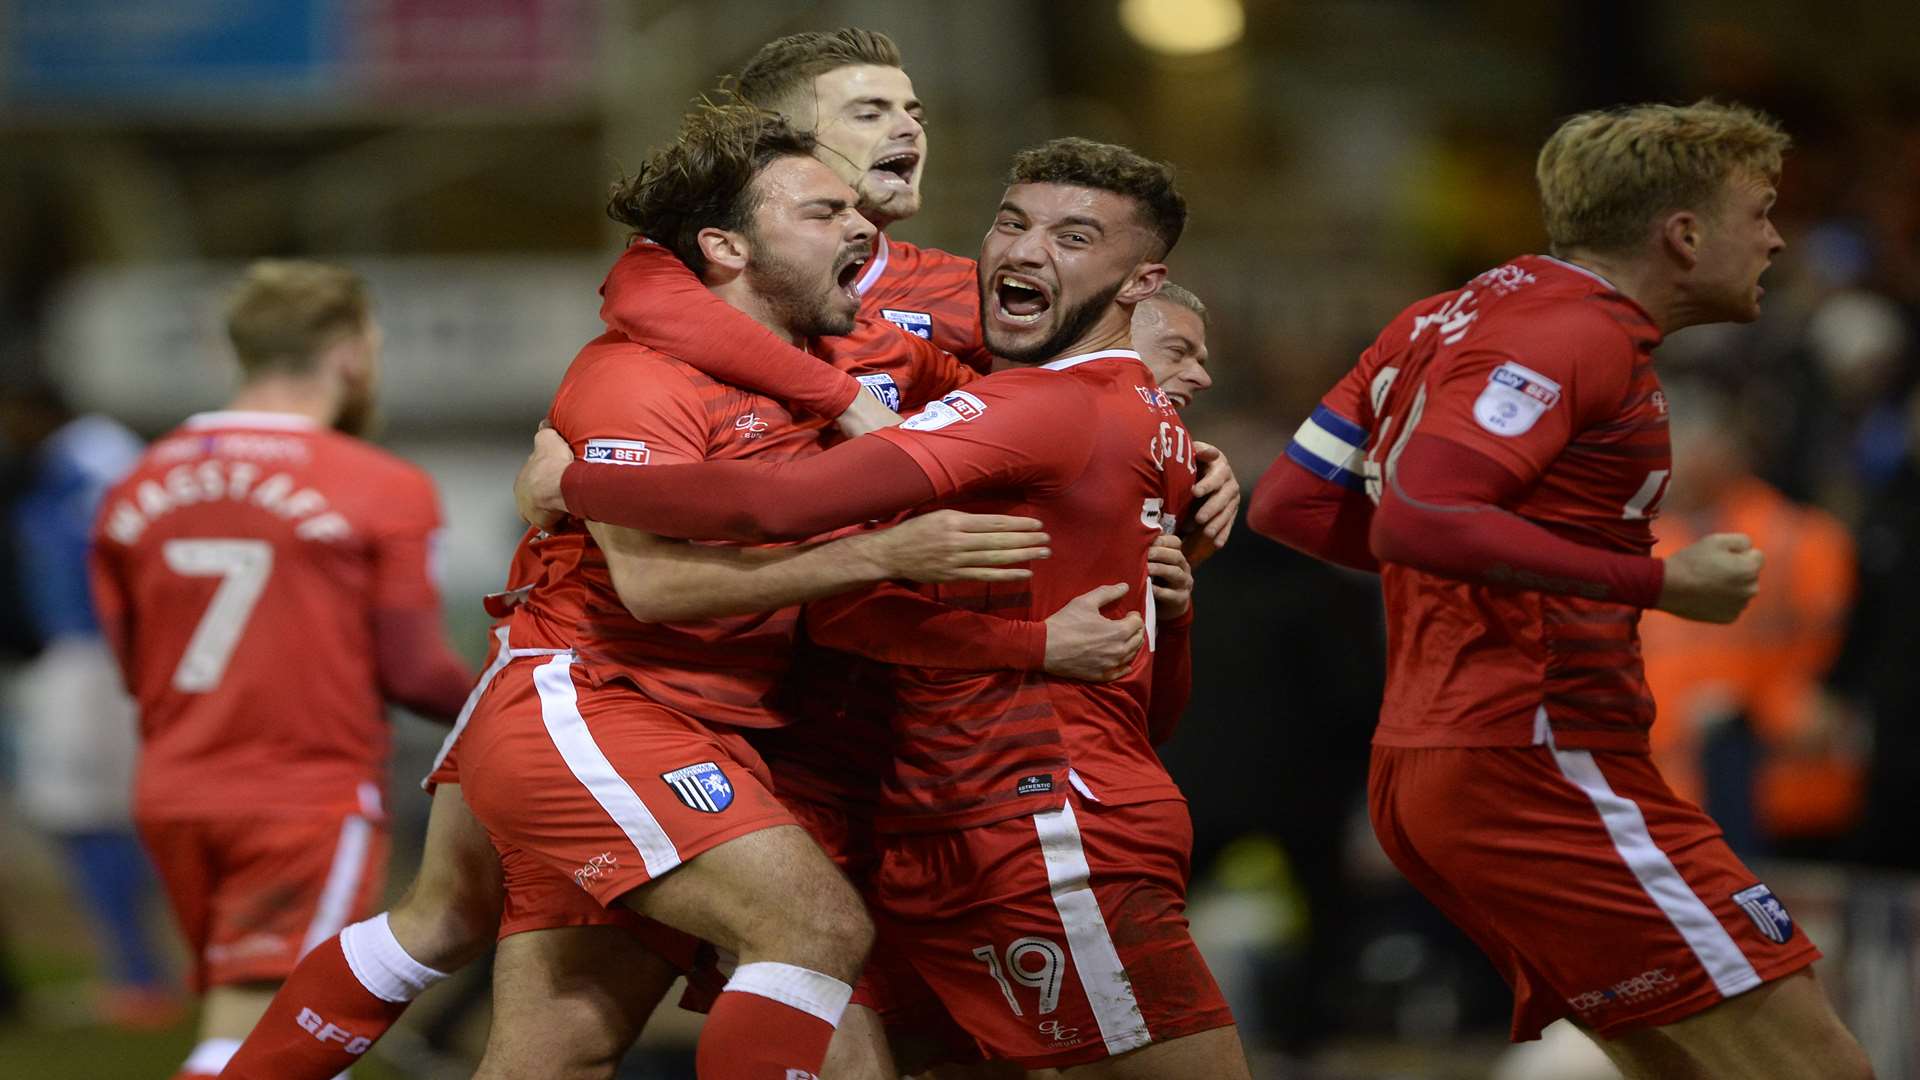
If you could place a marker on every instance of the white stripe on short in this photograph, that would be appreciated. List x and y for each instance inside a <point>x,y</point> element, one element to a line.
<point>560,708</point>
<point>343,882</point>
<point>1627,827</point>
<point>501,658</point>
<point>1109,990</point>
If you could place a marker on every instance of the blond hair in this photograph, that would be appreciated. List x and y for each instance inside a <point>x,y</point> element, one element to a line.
<point>1605,176</point>
<point>1180,296</point>
<point>284,312</point>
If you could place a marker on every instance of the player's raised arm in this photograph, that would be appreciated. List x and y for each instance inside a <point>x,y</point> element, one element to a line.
<point>963,444</point>
<point>661,580</point>
<point>1313,497</point>
<point>653,298</point>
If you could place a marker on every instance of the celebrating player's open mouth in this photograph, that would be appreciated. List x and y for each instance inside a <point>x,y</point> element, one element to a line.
<point>846,270</point>
<point>895,169</point>
<point>1019,300</point>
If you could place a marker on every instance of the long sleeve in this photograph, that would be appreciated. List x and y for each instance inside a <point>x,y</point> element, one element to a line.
<point>858,480</point>
<point>898,625</point>
<point>1441,512</point>
<point>1325,519</point>
<point>653,298</point>
<point>416,666</point>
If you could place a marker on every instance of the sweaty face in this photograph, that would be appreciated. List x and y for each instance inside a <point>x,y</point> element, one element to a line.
<point>1052,265</point>
<point>1737,244</point>
<point>868,126</point>
<point>806,245</point>
<point>1172,340</point>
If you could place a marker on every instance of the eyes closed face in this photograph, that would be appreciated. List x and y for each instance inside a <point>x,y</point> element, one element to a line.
<point>1051,265</point>
<point>809,244</point>
<point>868,123</point>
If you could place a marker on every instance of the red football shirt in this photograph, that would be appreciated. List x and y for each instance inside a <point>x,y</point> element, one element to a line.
<point>1548,370</point>
<point>244,557</point>
<point>929,293</point>
<point>622,405</point>
<point>1099,456</point>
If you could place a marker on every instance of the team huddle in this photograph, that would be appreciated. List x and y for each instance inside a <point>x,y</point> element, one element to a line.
<point>849,720</point>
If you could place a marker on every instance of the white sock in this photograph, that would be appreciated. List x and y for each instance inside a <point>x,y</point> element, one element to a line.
<point>809,991</point>
<point>381,965</point>
<point>211,1056</point>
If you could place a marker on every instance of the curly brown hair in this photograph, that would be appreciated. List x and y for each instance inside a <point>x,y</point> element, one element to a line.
<point>787,65</point>
<point>1106,167</point>
<point>704,178</point>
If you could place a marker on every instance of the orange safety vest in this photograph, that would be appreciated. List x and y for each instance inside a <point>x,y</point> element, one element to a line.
<point>1767,665</point>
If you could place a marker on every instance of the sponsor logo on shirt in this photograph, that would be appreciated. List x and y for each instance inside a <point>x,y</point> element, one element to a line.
<point>1769,915</point>
<point>1038,784</point>
<point>917,323</point>
<point>1515,398</point>
<point>955,408</point>
<point>750,426</point>
<point>616,452</point>
<point>1642,987</point>
<point>703,787</point>
<point>1658,399</point>
<point>883,387</point>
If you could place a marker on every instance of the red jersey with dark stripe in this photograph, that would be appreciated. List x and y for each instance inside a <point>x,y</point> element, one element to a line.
<point>623,405</point>
<point>245,558</point>
<point>1090,447</point>
<point>1548,370</point>
<point>928,293</point>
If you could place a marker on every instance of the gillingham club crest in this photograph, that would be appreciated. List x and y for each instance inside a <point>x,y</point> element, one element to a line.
<point>882,386</point>
<point>1767,912</point>
<point>703,787</point>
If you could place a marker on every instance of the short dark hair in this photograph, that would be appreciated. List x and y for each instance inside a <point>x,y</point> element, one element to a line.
<point>284,312</point>
<point>789,64</point>
<point>1106,167</point>
<point>704,178</point>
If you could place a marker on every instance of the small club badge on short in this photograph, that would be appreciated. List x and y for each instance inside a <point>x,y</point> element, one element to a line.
<point>703,787</point>
<point>1769,915</point>
<point>882,386</point>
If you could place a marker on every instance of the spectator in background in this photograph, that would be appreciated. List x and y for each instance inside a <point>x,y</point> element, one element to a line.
<point>1877,672</point>
<point>77,735</point>
<point>1745,728</point>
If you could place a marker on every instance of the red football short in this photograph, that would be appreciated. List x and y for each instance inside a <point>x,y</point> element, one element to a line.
<point>1597,892</point>
<point>602,785</point>
<point>1054,939</point>
<point>252,896</point>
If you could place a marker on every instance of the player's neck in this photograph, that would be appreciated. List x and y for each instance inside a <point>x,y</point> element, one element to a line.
<point>315,398</point>
<point>1640,282</point>
<point>756,307</point>
<point>1114,330</point>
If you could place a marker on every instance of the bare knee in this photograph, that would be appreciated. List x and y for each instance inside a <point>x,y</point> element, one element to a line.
<point>445,924</point>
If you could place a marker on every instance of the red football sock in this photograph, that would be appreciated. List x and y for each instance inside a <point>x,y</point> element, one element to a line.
<point>319,1023</point>
<point>773,1022</point>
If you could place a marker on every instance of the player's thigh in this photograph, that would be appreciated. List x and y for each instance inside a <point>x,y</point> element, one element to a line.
<point>447,916</point>
<point>1216,1054</point>
<point>1785,1029</point>
<point>569,1002</point>
<point>768,895</point>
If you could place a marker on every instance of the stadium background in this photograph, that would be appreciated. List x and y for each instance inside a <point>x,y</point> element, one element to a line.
<point>1341,158</point>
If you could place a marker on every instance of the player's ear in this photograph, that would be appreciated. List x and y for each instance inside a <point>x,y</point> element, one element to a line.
<point>1680,237</point>
<point>1143,282</point>
<point>724,248</point>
